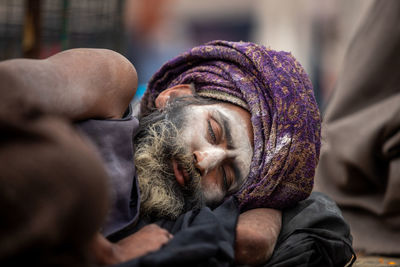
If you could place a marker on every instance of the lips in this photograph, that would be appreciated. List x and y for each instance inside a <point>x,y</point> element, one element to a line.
<point>181,175</point>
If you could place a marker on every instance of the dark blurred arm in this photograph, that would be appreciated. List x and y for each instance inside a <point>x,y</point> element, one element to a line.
<point>256,235</point>
<point>77,84</point>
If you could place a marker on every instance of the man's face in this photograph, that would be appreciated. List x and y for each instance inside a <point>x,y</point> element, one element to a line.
<point>192,154</point>
<point>220,139</point>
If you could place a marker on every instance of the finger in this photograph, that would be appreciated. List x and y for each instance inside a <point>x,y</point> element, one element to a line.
<point>168,236</point>
<point>153,226</point>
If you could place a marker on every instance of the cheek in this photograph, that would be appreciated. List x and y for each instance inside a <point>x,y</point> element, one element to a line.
<point>192,136</point>
<point>211,181</point>
<point>245,160</point>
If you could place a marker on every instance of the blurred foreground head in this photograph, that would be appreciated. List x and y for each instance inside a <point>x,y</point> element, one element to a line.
<point>53,195</point>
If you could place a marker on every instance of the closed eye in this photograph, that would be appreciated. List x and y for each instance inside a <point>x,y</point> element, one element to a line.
<point>211,132</point>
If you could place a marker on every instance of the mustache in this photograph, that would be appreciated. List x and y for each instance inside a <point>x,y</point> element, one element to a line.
<point>186,162</point>
<point>192,189</point>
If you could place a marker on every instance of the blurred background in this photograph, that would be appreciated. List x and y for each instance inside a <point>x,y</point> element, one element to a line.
<point>149,32</point>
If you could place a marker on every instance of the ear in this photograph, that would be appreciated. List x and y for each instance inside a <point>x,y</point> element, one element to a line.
<point>167,95</point>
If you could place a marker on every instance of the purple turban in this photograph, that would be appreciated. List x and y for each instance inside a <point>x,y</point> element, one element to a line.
<point>277,92</point>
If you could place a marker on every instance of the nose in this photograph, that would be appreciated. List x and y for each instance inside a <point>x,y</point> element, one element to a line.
<point>207,159</point>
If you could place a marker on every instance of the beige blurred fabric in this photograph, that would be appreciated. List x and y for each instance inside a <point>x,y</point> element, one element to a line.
<point>360,158</point>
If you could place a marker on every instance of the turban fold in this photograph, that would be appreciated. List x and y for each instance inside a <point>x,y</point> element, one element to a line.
<point>277,92</point>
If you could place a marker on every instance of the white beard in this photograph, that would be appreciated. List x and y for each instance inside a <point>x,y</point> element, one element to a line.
<point>161,195</point>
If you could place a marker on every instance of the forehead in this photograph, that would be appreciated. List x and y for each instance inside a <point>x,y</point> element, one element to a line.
<point>238,117</point>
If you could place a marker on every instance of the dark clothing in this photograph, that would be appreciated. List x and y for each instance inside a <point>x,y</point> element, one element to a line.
<point>201,238</point>
<point>313,233</point>
<point>114,140</point>
<point>360,160</point>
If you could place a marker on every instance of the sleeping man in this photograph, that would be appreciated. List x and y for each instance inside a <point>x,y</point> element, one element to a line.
<point>226,122</point>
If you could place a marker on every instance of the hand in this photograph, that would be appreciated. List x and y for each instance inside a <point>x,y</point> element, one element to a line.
<point>148,239</point>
